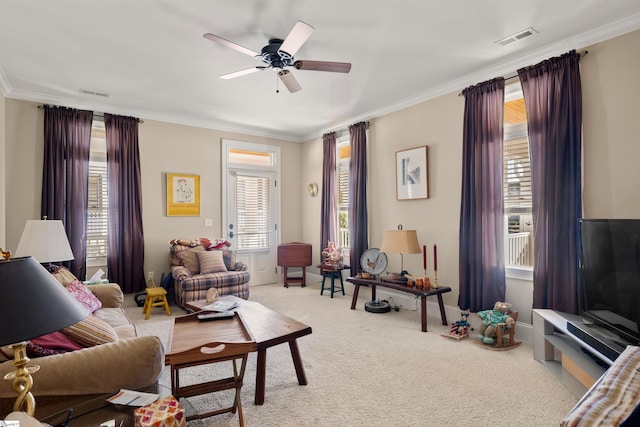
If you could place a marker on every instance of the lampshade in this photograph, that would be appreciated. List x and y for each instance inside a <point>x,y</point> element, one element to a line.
<point>45,240</point>
<point>33,302</point>
<point>400,242</point>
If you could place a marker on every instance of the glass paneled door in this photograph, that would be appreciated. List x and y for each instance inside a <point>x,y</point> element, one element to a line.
<point>251,212</point>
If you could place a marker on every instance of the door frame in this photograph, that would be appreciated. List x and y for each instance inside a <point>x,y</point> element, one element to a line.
<point>228,144</point>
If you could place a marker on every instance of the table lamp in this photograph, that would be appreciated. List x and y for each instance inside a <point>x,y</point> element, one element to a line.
<point>46,241</point>
<point>400,242</point>
<point>33,304</point>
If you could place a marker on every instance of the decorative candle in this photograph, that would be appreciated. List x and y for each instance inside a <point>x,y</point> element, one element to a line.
<point>424,256</point>
<point>435,257</point>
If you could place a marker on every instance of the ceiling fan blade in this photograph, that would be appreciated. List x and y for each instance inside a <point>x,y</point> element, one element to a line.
<point>296,38</point>
<point>289,81</point>
<point>232,45</point>
<point>241,73</point>
<point>335,67</point>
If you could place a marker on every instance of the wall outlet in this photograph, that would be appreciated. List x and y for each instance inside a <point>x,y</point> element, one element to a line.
<point>150,276</point>
<point>208,222</point>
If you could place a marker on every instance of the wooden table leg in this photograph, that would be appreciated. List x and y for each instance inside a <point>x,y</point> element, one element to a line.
<point>356,289</point>
<point>297,362</point>
<point>443,314</point>
<point>304,277</point>
<point>261,372</point>
<point>423,309</point>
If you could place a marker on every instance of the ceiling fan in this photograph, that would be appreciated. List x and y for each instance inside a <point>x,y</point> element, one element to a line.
<point>278,55</point>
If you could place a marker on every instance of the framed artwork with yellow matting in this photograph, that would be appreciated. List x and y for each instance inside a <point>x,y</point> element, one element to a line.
<point>183,195</point>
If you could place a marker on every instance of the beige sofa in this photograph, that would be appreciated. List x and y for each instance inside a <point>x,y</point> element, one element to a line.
<point>70,378</point>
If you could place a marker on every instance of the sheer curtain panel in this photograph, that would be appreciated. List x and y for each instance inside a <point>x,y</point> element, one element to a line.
<point>65,176</point>
<point>553,99</point>
<point>358,216</point>
<point>328,216</point>
<point>125,247</point>
<point>481,265</point>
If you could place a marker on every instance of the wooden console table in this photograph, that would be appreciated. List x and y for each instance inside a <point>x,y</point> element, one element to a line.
<point>372,283</point>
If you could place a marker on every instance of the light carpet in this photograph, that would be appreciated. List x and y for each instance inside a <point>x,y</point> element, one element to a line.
<point>371,369</point>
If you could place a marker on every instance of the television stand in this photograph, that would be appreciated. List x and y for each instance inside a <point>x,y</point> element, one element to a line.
<point>570,358</point>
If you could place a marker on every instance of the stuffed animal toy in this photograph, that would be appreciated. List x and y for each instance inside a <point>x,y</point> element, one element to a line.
<point>490,320</point>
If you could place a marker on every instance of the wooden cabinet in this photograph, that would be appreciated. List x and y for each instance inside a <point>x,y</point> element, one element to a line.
<point>294,254</point>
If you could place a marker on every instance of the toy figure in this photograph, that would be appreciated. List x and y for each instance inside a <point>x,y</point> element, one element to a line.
<point>459,329</point>
<point>490,320</point>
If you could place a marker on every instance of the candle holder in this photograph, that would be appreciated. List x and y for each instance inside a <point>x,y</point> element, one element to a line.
<point>435,280</point>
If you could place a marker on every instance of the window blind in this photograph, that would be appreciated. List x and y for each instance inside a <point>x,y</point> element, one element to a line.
<point>253,210</point>
<point>97,220</point>
<point>517,176</point>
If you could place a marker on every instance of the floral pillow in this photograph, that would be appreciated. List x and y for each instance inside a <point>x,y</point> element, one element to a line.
<point>81,293</point>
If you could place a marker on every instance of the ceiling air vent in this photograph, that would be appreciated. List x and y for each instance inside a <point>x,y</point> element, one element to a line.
<point>94,93</point>
<point>517,37</point>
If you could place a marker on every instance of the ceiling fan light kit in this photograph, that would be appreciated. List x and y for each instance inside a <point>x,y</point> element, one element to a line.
<point>278,55</point>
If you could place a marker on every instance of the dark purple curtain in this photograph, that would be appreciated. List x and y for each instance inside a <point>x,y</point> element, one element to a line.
<point>65,177</point>
<point>125,247</point>
<point>553,99</point>
<point>482,280</point>
<point>329,211</point>
<point>358,222</point>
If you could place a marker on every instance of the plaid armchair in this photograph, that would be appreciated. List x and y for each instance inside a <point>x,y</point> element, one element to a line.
<point>200,264</point>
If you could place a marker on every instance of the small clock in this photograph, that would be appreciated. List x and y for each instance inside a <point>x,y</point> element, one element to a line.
<point>373,261</point>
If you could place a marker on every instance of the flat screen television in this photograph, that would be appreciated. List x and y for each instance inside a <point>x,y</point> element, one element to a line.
<point>610,275</point>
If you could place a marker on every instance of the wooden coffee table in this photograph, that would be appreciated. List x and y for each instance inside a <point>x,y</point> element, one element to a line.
<point>269,328</point>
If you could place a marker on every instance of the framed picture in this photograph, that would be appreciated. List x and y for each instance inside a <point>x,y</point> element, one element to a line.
<point>183,195</point>
<point>412,174</point>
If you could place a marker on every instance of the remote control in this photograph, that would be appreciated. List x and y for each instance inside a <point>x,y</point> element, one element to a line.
<point>215,315</point>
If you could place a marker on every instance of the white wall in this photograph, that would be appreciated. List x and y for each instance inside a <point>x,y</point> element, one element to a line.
<point>611,129</point>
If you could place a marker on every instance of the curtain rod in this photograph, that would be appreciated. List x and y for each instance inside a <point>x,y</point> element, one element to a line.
<point>100,115</point>
<point>515,74</point>
<point>342,130</point>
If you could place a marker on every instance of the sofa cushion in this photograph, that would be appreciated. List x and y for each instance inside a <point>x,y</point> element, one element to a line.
<point>117,318</point>
<point>189,259</point>
<point>81,293</point>
<point>91,331</point>
<point>211,262</point>
<point>6,353</point>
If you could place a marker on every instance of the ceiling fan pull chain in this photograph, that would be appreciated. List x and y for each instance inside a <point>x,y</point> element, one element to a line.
<point>277,90</point>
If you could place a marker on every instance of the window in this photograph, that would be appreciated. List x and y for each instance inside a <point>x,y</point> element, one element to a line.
<point>342,176</point>
<point>517,181</point>
<point>97,211</point>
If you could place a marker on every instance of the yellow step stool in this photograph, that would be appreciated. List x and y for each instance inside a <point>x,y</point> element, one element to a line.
<point>156,297</point>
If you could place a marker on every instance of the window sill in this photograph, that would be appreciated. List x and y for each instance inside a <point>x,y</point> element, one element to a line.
<point>97,262</point>
<point>522,273</point>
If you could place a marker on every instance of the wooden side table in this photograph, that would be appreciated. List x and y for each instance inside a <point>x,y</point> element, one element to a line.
<point>294,254</point>
<point>332,271</point>
<point>422,293</point>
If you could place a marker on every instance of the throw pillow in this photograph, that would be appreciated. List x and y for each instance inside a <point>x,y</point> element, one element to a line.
<point>229,258</point>
<point>90,332</point>
<point>53,343</point>
<point>64,276</point>
<point>189,259</point>
<point>83,295</point>
<point>211,262</point>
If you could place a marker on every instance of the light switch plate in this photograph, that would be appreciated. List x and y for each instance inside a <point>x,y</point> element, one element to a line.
<point>208,222</point>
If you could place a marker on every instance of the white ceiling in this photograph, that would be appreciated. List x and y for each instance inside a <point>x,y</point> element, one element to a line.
<point>151,58</point>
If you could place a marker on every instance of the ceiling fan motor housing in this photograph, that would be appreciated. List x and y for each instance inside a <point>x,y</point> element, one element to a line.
<point>272,55</point>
